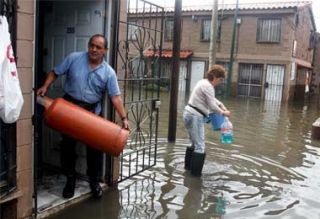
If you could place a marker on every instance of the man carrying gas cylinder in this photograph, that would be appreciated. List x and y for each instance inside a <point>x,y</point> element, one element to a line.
<point>88,78</point>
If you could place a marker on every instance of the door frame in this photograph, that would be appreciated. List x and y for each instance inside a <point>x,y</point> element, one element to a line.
<point>39,77</point>
<point>192,73</point>
<point>282,82</point>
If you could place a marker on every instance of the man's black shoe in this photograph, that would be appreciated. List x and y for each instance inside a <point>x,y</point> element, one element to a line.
<point>96,189</point>
<point>68,190</point>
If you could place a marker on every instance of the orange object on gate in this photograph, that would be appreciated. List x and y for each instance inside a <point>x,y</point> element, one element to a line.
<point>83,125</point>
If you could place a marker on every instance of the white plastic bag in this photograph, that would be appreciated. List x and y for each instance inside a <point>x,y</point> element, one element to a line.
<point>11,99</point>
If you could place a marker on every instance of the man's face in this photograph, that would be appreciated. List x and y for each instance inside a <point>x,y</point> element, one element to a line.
<point>96,49</point>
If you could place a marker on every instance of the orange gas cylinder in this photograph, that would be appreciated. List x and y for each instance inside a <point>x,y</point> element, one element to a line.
<point>84,126</point>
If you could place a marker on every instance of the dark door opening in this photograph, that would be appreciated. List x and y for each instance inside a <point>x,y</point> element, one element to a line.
<point>62,27</point>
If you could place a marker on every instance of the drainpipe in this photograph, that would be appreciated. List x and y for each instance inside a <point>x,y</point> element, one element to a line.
<point>172,126</point>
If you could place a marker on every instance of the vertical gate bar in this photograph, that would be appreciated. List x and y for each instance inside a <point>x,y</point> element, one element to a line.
<point>143,157</point>
<point>271,87</point>
<point>150,12</point>
<point>154,82</point>
<point>150,30</point>
<point>121,168</point>
<point>158,91</point>
<point>129,172</point>
<point>125,64</point>
<point>137,160</point>
<point>277,82</point>
<point>149,155</point>
<point>143,12</point>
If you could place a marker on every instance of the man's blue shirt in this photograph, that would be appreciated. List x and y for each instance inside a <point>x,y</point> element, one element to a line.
<point>86,84</point>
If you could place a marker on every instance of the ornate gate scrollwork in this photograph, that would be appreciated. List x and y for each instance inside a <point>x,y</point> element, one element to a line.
<point>139,77</point>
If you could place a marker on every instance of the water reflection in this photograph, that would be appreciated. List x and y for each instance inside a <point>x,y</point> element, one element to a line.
<point>270,171</point>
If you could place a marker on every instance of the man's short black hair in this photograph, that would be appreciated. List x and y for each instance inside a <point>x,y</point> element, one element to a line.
<point>102,36</point>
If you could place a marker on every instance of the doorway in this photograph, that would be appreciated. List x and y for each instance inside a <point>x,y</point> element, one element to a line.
<point>274,83</point>
<point>197,73</point>
<point>62,27</point>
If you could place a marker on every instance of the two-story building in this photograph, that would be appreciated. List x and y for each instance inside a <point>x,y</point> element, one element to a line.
<point>273,47</point>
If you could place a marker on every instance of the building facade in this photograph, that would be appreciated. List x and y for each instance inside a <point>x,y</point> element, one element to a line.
<point>273,48</point>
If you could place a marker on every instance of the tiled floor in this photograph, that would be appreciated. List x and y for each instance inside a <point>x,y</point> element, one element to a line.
<point>49,191</point>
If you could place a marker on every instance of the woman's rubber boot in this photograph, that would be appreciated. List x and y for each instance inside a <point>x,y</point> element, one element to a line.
<point>197,162</point>
<point>187,158</point>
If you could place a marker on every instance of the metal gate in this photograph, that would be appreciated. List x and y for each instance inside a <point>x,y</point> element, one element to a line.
<point>250,80</point>
<point>140,79</point>
<point>274,82</point>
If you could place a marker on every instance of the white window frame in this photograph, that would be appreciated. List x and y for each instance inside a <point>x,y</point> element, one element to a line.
<point>269,30</point>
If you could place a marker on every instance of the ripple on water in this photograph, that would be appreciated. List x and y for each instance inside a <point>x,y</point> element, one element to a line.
<point>254,186</point>
<point>271,169</point>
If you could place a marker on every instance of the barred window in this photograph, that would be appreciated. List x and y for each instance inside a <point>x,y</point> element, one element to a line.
<point>250,80</point>
<point>168,34</point>
<point>269,30</point>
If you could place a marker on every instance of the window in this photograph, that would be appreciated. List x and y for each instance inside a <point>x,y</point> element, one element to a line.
<point>133,31</point>
<point>206,30</point>
<point>168,34</point>
<point>250,80</point>
<point>268,30</point>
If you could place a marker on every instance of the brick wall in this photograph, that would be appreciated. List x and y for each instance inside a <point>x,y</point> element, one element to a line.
<point>302,36</point>
<point>246,37</point>
<point>316,69</point>
<point>25,37</point>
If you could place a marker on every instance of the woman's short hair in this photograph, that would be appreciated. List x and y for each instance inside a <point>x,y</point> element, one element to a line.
<point>216,71</point>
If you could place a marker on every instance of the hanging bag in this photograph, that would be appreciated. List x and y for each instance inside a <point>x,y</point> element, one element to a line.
<point>11,99</point>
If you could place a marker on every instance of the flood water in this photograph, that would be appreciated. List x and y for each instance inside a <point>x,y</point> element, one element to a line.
<point>270,171</point>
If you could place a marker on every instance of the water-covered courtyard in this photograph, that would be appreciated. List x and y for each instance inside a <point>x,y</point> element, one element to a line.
<point>270,171</point>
